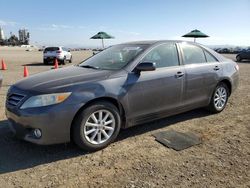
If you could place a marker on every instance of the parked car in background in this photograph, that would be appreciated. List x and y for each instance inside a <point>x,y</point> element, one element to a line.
<point>223,51</point>
<point>122,86</point>
<point>237,50</point>
<point>216,49</point>
<point>244,55</point>
<point>62,54</point>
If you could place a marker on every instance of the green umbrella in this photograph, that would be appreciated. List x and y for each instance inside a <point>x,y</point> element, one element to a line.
<point>196,34</point>
<point>102,35</point>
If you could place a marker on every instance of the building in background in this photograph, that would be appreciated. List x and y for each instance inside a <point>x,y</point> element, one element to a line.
<point>24,36</point>
<point>22,39</point>
<point>1,34</point>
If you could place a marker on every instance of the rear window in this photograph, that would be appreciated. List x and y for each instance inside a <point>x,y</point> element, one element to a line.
<point>209,57</point>
<point>51,49</point>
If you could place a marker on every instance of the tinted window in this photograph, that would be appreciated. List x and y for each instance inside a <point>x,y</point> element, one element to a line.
<point>51,49</point>
<point>209,57</point>
<point>192,54</point>
<point>164,55</point>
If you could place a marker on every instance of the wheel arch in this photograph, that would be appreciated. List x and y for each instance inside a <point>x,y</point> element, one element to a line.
<point>228,84</point>
<point>106,99</point>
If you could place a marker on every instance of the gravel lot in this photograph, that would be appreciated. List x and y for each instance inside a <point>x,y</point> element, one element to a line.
<point>135,159</point>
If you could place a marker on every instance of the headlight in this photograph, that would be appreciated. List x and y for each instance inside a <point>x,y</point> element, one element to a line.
<point>45,100</point>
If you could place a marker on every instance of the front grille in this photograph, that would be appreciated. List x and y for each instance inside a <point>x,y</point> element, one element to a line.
<point>14,99</point>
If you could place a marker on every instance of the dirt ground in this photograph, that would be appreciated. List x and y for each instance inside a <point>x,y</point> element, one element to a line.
<point>135,159</point>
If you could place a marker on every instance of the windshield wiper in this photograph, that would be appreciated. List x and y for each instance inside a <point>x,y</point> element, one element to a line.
<point>89,66</point>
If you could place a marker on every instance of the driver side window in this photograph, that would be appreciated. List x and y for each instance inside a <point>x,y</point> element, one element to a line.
<point>164,55</point>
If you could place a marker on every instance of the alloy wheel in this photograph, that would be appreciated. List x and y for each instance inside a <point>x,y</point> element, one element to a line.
<point>220,98</point>
<point>99,127</point>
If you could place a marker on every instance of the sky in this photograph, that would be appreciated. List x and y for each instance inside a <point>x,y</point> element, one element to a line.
<point>72,23</point>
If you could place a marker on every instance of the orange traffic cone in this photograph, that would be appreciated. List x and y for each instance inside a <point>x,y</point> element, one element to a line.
<point>56,64</point>
<point>4,67</point>
<point>25,72</point>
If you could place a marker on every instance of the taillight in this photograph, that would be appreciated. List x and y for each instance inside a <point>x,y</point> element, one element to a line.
<point>59,51</point>
<point>237,67</point>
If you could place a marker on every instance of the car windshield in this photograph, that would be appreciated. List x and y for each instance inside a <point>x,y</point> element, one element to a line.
<point>115,57</point>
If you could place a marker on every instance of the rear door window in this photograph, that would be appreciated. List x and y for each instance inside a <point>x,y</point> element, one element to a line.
<point>192,54</point>
<point>65,49</point>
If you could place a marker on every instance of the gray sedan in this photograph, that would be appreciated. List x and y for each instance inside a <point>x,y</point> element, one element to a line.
<point>122,86</point>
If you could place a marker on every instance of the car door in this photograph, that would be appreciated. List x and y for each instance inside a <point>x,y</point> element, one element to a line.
<point>153,94</point>
<point>202,72</point>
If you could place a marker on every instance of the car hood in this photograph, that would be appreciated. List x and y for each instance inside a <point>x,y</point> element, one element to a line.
<point>61,78</point>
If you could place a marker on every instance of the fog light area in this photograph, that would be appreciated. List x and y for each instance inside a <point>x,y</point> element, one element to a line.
<point>37,133</point>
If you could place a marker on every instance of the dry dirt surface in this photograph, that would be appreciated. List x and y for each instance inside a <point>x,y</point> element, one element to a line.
<point>135,159</point>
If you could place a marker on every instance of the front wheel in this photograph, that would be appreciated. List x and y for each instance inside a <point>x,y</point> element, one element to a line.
<point>96,126</point>
<point>219,99</point>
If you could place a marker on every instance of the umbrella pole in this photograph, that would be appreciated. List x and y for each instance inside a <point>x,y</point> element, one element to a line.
<point>194,39</point>
<point>102,44</point>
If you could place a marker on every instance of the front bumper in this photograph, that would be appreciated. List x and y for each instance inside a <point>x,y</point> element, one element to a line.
<point>53,121</point>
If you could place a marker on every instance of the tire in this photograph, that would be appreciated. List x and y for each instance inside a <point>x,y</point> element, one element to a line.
<point>62,62</point>
<point>238,58</point>
<point>86,128</point>
<point>45,62</point>
<point>71,60</point>
<point>219,98</point>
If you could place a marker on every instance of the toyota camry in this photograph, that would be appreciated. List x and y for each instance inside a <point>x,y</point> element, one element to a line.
<point>125,85</point>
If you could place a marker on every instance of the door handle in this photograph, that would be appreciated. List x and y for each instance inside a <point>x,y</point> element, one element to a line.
<point>179,74</point>
<point>216,68</point>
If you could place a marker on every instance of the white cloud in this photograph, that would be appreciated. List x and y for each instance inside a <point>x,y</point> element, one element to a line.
<point>134,33</point>
<point>7,23</point>
<point>54,27</point>
<point>81,27</point>
<point>61,26</point>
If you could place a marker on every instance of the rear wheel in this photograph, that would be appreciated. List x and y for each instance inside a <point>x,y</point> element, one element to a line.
<point>45,62</point>
<point>219,99</point>
<point>71,60</point>
<point>96,126</point>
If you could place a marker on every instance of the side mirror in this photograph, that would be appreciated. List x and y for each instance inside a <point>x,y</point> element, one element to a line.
<point>145,66</point>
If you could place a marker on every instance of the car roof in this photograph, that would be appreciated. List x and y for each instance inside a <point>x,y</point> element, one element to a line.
<point>54,47</point>
<point>151,42</point>
<point>155,42</point>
